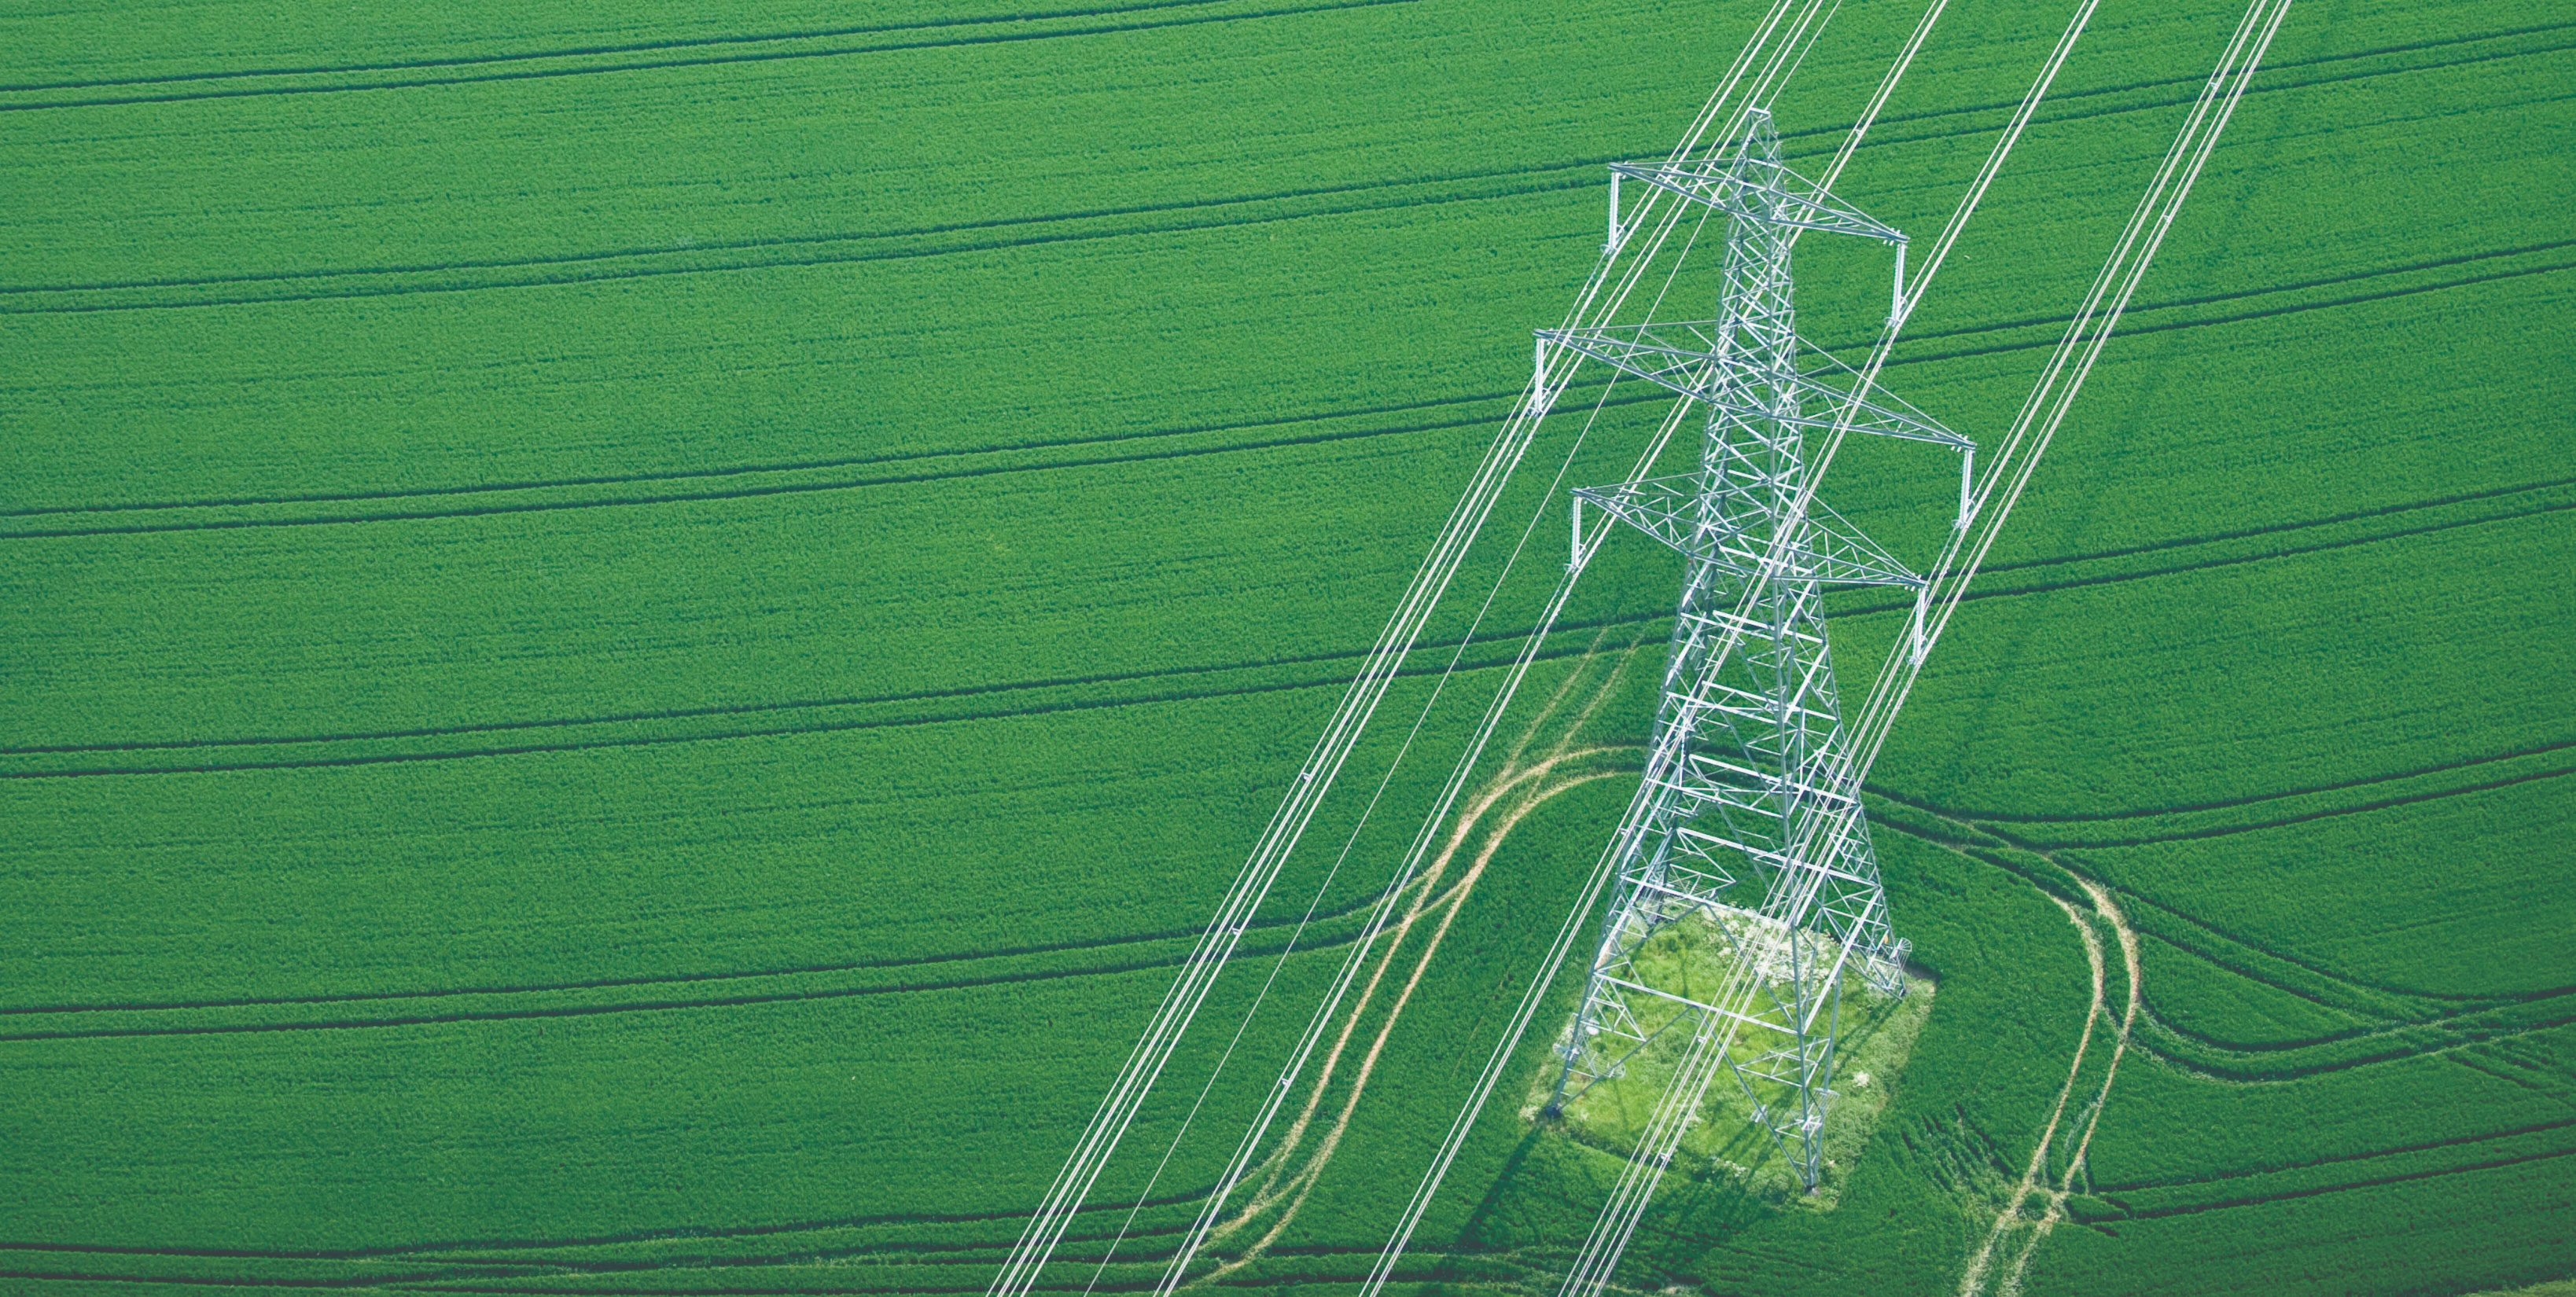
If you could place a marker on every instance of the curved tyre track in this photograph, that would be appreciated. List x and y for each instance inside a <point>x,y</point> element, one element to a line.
<point>2434,1024</point>
<point>2036,1181</point>
<point>1981,1273</point>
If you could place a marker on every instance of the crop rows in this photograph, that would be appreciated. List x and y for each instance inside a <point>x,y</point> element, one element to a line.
<point>636,640</point>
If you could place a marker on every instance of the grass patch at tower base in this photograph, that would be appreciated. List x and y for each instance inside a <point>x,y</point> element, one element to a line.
<point>1725,1137</point>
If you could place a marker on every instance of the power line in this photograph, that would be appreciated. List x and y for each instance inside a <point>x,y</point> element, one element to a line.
<point>1982,513</point>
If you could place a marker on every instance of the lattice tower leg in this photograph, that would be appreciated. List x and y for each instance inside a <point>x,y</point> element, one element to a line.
<point>1742,782</point>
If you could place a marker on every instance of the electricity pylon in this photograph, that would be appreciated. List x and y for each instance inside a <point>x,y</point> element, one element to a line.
<point>1747,824</point>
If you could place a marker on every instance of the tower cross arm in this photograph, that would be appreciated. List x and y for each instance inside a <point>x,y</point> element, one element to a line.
<point>1876,411</point>
<point>1680,357</point>
<point>1683,357</point>
<point>1719,529</point>
<point>1847,556</point>
<point>1760,190</point>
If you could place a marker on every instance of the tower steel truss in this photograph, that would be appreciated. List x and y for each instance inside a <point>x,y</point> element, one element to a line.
<point>1747,822</point>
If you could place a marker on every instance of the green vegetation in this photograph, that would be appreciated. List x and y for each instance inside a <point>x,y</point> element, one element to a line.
<point>1876,1034</point>
<point>633,640</point>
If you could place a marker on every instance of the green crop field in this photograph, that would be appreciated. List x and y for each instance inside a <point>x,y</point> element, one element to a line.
<point>632,643</point>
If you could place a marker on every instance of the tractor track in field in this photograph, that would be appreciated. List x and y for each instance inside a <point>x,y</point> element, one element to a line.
<point>600,1010</point>
<point>672,979</point>
<point>561,1269</point>
<point>10,1035</point>
<point>1447,903</point>
<point>2034,1184</point>
<point>717,495</point>
<point>1567,178</point>
<point>754,709</point>
<point>2037,1183</point>
<point>783,731</point>
<point>2246,294</point>
<point>2444,1023</point>
<point>2359,988</point>
<point>2205,1070</point>
<point>1565,173</point>
<point>1069,443</point>
<point>2270,85</point>
<point>2276,75</point>
<point>562,1279</point>
<point>437,1253</point>
<point>626,1238</point>
<point>599,50</point>
<point>215,1281</point>
<point>1997,1257</point>
<point>716,246</point>
<point>718,42</point>
<point>2430,1146</point>
<point>2213,564</point>
<point>801,485</point>
<point>2229,831</point>
<point>2431,1011</point>
<point>681,715</point>
<point>552,1259</point>
<point>2383,1027</point>
<point>1982,819</point>
<point>2486,1067</point>
<point>2297,308</point>
<point>746,709</point>
<point>556,1266</point>
<point>2385,1023</point>
<point>1515,790</point>
<point>2475,1005</point>
<point>1257,1284</point>
<point>506,74</point>
<point>2288,1195</point>
<point>2044,845</point>
<point>1030,447</point>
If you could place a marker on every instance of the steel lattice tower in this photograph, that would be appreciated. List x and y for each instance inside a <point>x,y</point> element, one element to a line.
<point>1748,816</point>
